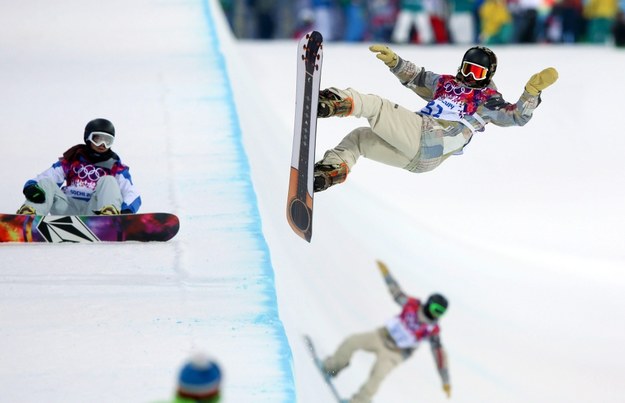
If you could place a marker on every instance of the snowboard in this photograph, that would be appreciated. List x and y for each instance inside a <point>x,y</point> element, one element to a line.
<point>144,227</point>
<point>319,365</point>
<point>299,208</point>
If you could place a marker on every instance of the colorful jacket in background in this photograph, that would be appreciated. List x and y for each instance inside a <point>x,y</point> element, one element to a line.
<point>496,20</point>
<point>77,173</point>
<point>601,9</point>
<point>411,5</point>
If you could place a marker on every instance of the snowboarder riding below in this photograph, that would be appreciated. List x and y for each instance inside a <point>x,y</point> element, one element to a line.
<point>88,179</point>
<point>396,341</point>
<point>458,107</point>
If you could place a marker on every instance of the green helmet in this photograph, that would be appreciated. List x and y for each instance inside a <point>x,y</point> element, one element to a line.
<point>435,306</point>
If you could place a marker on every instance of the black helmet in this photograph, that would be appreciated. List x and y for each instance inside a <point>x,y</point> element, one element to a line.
<point>435,306</point>
<point>99,125</point>
<point>478,66</point>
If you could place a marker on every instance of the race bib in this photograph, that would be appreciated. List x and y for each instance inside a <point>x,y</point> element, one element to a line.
<point>444,108</point>
<point>402,336</point>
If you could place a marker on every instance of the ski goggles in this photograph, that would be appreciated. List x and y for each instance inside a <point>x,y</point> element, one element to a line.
<point>437,310</point>
<point>478,72</point>
<point>101,138</point>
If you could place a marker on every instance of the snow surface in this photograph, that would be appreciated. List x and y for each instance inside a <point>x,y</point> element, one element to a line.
<point>523,233</point>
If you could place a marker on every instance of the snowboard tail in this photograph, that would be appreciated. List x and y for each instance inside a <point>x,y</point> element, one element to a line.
<point>300,194</point>
<point>144,227</point>
<point>300,208</point>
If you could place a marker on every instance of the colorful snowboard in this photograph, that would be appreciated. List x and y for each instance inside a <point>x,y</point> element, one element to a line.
<point>319,365</point>
<point>299,209</point>
<point>97,228</point>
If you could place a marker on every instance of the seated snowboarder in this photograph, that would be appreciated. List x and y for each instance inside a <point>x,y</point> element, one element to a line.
<point>458,107</point>
<point>396,340</point>
<point>88,179</point>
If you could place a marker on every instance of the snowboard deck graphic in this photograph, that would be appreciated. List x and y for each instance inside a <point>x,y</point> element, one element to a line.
<point>144,227</point>
<point>300,196</point>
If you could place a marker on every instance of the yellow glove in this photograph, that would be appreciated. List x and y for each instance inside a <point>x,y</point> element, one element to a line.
<point>542,80</point>
<point>382,267</point>
<point>447,389</point>
<point>385,54</point>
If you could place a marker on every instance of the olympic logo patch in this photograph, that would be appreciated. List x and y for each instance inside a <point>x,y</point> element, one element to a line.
<point>89,172</point>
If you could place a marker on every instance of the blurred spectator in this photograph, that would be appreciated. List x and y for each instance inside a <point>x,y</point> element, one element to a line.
<point>355,20</point>
<point>264,12</point>
<point>412,15</point>
<point>239,16</point>
<point>542,17</point>
<point>382,16</point>
<point>427,21</point>
<point>619,29</point>
<point>600,15</point>
<point>524,20</point>
<point>477,20</point>
<point>325,15</point>
<point>228,7</point>
<point>439,12</point>
<point>305,22</point>
<point>496,22</point>
<point>462,24</point>
<point>199,381</point>
<point>565,23</point>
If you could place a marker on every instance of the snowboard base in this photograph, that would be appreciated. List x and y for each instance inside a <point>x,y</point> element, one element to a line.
<point>299,207</point>
<point>144,227</point>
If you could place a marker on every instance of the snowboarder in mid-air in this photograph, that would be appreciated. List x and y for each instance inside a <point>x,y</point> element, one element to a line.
<point>396,340</point>
<point>458,107</point>
<point>88,179</point>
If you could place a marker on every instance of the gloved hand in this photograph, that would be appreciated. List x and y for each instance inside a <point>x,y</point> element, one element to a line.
<point>383,268</point>
<point>34,193</point>
<point>542,80</point>
<point>447,389</point>
<point>385,54</point>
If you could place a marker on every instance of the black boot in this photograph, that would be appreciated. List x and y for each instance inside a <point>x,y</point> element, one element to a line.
<point>329,175</point>
<point>331,104</point>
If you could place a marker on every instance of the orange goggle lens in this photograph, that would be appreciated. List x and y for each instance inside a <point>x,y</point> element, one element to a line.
<point>478,72</point>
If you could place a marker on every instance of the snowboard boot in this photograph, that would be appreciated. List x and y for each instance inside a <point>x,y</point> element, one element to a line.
<point>327,371</point>
<point>332,104</point>
<point>329,374</point>
<point>26,210</point>
<point>108,210</point>
<point>329,175</point>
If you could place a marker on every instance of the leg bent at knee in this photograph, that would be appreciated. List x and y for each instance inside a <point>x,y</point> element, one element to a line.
<point>107,197</point>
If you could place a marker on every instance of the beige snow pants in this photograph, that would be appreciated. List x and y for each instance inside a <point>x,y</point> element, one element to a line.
<point>393,138</point>
<point>386,360</point>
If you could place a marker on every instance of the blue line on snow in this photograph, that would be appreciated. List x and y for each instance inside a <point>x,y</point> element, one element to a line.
<point>271,317</point>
